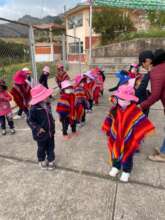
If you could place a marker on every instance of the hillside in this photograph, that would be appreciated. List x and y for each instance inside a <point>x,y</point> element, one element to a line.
<point>14,30</point>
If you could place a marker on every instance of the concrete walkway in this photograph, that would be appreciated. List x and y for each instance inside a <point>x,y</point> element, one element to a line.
<point>80,188</point>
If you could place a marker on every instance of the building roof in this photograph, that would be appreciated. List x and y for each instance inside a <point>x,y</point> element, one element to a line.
<point>77,8</point>
<point>49,26</point>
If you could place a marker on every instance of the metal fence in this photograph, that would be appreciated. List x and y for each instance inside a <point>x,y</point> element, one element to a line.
<point>23,45</point>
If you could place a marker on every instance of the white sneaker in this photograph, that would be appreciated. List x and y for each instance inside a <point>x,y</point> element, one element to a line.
<point>12,131</point>
<point>124,177</point>
<point>17,117</point>
<point>3,132</point>
<point>43,165</point>
<point>113,172</point>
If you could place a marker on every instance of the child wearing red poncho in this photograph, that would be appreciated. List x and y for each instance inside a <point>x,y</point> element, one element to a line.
<point>81,103</point>
<point>99,83</point>
<point>89,83</point>
<point>66,109</point>
<point>125,126</point>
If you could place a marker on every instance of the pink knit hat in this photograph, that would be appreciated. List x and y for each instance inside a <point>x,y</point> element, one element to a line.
<point>46,69</point>
<point>20,77</point>
<point>126,92</point>
<point>39,93</point>
<point>65,84</point>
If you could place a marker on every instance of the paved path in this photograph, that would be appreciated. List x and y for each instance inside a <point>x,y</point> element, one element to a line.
<point>80,188</point>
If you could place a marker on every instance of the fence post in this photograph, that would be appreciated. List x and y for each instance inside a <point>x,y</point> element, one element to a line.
<point>32,52</point>
<point>79,43</point>
<point>63,50</point>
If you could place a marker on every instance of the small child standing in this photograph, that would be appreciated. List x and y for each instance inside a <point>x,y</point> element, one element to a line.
<point>41,122</point>
<point>126,126</point>
<point>82,103</point>
<point>89,88</point>
<point>5,109</point>
<point>66,109</point>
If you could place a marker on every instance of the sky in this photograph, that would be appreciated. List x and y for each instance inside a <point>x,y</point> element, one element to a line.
<point>14,9</point>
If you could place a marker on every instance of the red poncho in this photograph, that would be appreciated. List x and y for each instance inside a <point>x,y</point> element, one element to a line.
<point>21,95</point>
<point>66,106</point>
<point>125,130</point>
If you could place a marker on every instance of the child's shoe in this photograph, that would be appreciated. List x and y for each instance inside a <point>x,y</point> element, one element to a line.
<point>124,177</point>
<point>12,131</point>
<point>16,117</point>
<point>51,166</point>
<point>113,172</point>
<point>3,132</point>
<point>43,165</point>
<point>66,137</point>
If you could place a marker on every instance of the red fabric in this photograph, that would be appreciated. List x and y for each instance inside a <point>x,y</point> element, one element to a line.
<point>125,130</point>
<point>157,77</point>
<point>21,95</point>
<point>96,95</point>
<point>61,77</point>
<point>88,87</point>
<point>80,112</point>
<point>5,107</point>
<point>71,99</point>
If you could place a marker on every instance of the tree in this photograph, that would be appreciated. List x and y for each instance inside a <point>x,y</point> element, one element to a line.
<point>156,18</point>
<point>110,22</point>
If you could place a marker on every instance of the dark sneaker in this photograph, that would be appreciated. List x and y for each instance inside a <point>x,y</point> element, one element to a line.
<point>43,165</point>
<point>51,166</point>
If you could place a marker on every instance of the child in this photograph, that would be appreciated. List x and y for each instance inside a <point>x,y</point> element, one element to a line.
<point>66,109</point>
<point>89,83</point>
<point>125,126</point>
<point>41,122</point>
<point>21,92</point>
<point>44,76</point>
<point>61,75</point>
<point>133,73</point>
<point>5,109</point>
<point>98,89</point>
<point>81,102</point>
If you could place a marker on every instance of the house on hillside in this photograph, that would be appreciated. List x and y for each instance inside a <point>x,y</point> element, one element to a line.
<point>77,25</point>
<point>50,51</point>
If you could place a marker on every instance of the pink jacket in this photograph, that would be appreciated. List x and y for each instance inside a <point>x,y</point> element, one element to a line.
<point>5,107</point>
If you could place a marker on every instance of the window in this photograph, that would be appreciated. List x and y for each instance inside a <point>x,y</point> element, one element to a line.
<point>76,21</point>
<point>74,47</point>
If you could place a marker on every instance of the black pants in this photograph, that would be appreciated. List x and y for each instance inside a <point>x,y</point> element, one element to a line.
<point>20,111</point>
<point>3,122</point>
<point>90,104</point>
<point>46,150</point>
<point>65,125</point>
<point>126,167</point>
<point>84,117</point>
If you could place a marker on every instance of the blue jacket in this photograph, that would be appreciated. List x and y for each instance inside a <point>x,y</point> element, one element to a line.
<point>38,118</point>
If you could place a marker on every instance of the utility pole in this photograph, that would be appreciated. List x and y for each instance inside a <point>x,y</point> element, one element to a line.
<point>90,26</point>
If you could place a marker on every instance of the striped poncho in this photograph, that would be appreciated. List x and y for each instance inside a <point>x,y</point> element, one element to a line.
<point>81,102</point>
<point>66,106</point>
<point>125,130</point>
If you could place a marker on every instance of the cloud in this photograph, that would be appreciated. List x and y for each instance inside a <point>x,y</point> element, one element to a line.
<point>14,9</point>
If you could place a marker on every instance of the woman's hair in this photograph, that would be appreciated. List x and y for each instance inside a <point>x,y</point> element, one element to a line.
<point>159,57</point>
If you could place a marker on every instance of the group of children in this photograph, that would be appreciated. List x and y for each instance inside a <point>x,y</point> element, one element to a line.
<point>125,126</point>
<point>77,99</point>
